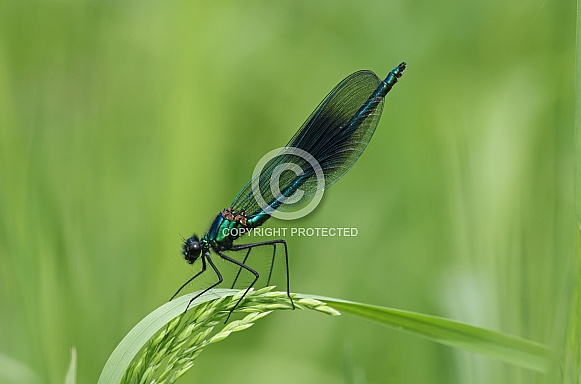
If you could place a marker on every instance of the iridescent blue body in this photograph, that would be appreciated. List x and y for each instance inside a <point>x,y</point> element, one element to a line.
<point>335,135</point>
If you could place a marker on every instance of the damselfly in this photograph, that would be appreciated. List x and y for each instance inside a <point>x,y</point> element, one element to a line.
<point>326,146</point>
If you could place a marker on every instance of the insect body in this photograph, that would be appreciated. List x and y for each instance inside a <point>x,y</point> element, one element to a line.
<point>334,136</point>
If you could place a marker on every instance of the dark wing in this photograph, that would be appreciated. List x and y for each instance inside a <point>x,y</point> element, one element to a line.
<point>334,135</point>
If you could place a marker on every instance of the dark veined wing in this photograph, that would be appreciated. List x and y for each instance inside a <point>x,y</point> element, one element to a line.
<point>334,135</point>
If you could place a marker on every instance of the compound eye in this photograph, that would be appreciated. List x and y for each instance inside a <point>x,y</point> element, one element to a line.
<point>192,250</point>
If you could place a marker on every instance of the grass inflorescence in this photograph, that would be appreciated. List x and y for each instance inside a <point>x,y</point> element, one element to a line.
<point>173,350</point>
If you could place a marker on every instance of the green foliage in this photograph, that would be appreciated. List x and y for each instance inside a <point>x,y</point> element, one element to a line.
<point>168,336</point>
<point>571,356</point>
<point>507,348</point>
<point>71,377</point>
<point>180,338</point>
<point>124,125</point>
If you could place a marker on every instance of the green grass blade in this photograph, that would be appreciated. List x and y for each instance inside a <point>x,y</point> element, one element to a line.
<point>183,341</point>
<point>507,348</point>
<point>136,339</point>
<point>71,377</point>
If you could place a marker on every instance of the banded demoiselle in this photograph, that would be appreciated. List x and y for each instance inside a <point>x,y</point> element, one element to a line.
<point>335,135</point>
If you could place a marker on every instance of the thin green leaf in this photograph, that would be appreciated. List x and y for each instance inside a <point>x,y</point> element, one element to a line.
<point>497,345</point>
<point>172,352</point>
<point>136,339</point>
<point>71,377</point>
<point>507,348</point>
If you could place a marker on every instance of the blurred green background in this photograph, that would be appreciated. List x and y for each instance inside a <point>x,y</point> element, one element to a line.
<point>125,125</point>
